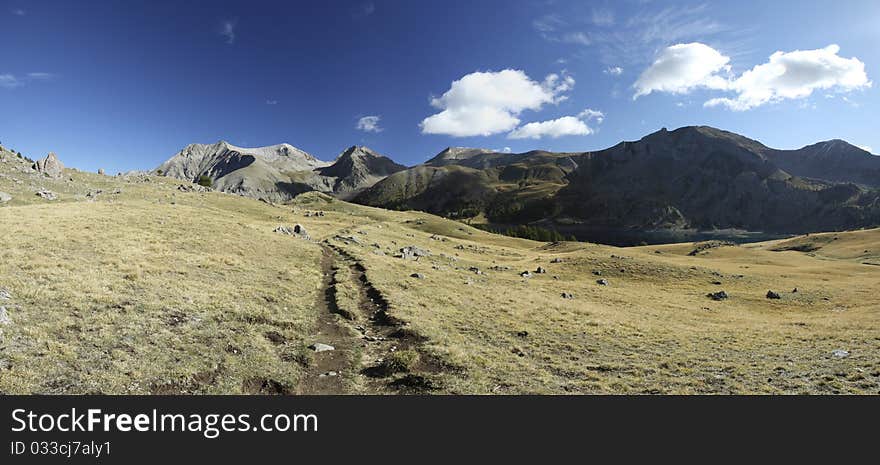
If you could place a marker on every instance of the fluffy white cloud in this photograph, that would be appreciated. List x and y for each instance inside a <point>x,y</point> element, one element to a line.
<point>486,103</point>
<point>369,124</point>
<point>590,114</point>
<point>684,67</point>
<point>794,75</point>
<point>565,126</point>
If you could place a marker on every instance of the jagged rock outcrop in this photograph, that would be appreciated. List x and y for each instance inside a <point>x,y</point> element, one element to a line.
<point>50,166</point>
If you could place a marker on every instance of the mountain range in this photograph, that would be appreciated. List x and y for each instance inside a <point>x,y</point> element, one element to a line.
<point>667,186</point>
<point>278,172</point>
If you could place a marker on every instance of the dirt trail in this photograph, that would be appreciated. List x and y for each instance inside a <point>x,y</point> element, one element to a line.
<point>362,341</point>
<point>331,371</point>
<point>381,336</point>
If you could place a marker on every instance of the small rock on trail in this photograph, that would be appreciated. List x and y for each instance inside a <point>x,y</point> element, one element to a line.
<point>321,347</point>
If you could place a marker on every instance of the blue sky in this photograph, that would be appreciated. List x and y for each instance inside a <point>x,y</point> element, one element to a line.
<point>125,85</point>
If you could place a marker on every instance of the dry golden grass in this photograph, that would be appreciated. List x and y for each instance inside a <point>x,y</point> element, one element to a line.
<point>652,330</point>
<point>153,290</point>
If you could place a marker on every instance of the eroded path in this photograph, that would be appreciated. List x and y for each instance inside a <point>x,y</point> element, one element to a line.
<point>331,371</point>
<point>374,353</point>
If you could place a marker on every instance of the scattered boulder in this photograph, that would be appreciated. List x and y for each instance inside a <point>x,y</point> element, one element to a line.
<point>522,333</point>
<point>597,273</point>
<point>320,347</point>
<point>46,194</point>
<point>192,188</point>
<point>417,276</point>
<point>720,295</point>
<point>526,274</point>
<point>794,291</point>
<point>773,295</point>
<point>556,260</point>
<point>567,295</point>
<point>296,230</point>
<point>540,270</point>
<point>475,270</point>
<point>101,171</point>
<point>4,317</point>
<point>602,282</point>
<point>413,252</point>
<point>50,166</point>
<point>519,352</point>
<point>349,240</point>
<point>4,197</point>
<point>840,353</point>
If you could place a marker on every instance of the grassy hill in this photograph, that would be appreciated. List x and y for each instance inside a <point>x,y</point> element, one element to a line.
<point>147,288</point>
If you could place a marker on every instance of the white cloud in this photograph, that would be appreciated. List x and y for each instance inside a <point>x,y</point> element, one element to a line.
<point>590,114</point>
<point>603,17</point>
<point>613,70</point>
<point>795,75</point>
<point>271,102</point>
<point>555,128</point>
<point>866,148</point>
<point>576,38</point>
<point>564,126</point>
<point>369,124</point>
<point>40,76</point>
<point>486,103</point>
<point>9,81</point>
<point>506,150</point>
<point>684,67</point>
<point>227,29</point>
<point>548,23</point>
<point>18,12</point>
